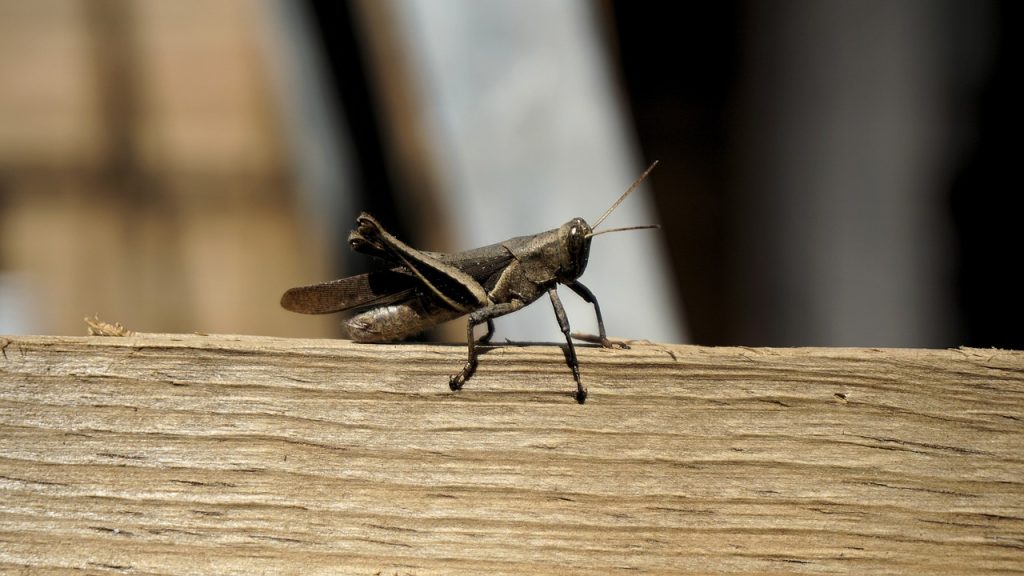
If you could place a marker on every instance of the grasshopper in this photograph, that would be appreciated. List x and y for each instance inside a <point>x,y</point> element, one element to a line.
<point>422,289</point>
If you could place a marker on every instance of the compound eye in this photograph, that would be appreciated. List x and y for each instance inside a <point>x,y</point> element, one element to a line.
<point>575,239</point>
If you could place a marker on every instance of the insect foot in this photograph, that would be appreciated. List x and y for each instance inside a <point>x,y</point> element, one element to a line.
<point>602,340</point>
<point>581,394</point>
<point>620,344</point>
<point>456,381</point>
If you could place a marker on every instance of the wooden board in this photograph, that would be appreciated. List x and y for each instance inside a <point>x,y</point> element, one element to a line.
<point>189,454</point>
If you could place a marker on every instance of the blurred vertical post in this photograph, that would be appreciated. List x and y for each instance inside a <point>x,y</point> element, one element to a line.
<point>843,163</point>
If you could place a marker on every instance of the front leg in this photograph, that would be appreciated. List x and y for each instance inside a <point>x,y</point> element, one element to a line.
<point>602,337</point>
<point>563,324</point>
<point>479,317</point>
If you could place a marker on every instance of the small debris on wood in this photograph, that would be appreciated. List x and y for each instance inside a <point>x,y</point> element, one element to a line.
<point>98,327</point>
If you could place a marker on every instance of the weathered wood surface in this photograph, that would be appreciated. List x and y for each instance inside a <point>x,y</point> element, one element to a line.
<point>156,454</point>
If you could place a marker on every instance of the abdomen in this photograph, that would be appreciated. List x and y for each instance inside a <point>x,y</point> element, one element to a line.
<point>397,321</point>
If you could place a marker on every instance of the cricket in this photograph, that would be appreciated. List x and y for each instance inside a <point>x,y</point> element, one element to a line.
<point>421,289</point>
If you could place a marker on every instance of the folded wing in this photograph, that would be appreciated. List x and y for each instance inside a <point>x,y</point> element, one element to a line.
<point>355,292</point>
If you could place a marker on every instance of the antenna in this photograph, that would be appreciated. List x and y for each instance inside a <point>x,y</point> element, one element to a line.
<point>644,227</point>
<point>628,191</point>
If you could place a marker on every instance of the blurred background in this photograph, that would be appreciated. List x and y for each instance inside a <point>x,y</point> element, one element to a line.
<point>832,172</point>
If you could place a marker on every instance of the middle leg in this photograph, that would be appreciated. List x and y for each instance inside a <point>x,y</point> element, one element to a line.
<point>479,317</point>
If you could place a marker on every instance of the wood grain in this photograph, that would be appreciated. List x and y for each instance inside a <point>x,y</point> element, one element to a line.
<point>188,454</point>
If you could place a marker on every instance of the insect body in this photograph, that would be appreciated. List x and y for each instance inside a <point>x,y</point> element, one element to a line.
<point>423,289</point>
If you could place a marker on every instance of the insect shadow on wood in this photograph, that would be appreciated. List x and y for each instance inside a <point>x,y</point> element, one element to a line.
<point>421,289</point>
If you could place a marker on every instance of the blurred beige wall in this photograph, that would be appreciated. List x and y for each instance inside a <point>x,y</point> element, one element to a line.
<point>143,171</point>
